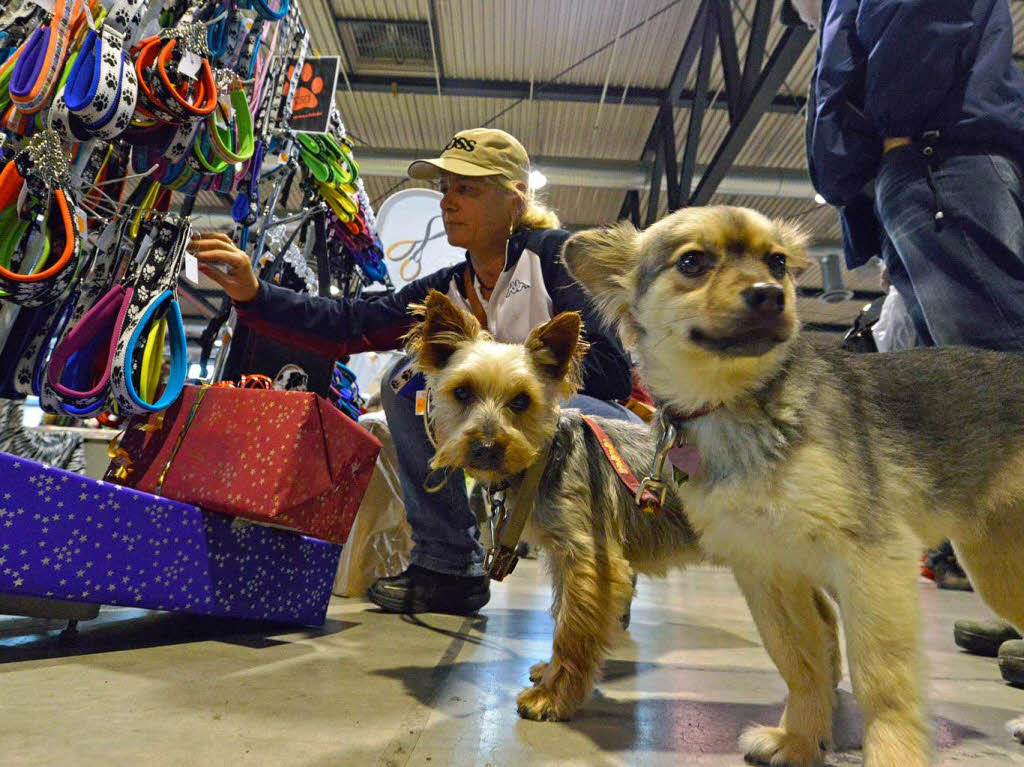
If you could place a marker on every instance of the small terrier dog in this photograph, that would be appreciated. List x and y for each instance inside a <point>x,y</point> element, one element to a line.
<point>494,410</point>
<point>818,468</point>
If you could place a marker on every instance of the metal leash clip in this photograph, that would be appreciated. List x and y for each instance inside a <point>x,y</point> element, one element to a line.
<point>500,560</point>
<point>668,437</point>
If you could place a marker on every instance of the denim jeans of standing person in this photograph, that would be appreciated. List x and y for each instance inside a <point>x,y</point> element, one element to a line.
<point>963,281</point>
<point>446,538</point>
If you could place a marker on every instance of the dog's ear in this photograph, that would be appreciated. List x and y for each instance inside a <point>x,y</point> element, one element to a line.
<point>601,260</point>
<point>556,348</point>
<point>794,239</point>
<point>439,333</point>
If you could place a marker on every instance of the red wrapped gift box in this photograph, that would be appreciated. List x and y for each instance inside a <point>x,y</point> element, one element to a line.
<point>280,457</point>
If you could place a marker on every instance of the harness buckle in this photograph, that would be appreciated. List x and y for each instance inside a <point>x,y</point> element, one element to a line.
<point>500,562</point>
<point>668,436</point>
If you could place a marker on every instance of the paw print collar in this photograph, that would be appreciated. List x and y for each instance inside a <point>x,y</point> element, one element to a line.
<point>102,88</point>
<point>119,326</point>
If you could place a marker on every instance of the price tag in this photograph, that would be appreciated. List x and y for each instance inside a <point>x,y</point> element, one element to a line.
<point>22,196</point>
<point>189,65</point>
<point>144,248</point>
<point>192,269</point>
<point>421,402</point>
<point>107,238</point>
<point>82,224</point>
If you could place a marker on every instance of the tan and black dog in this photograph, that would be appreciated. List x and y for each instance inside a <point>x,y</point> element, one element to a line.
<point>818,468</point>
<point>495,412</point>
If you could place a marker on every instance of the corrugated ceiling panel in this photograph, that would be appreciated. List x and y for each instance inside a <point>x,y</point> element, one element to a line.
<point>544,127</point>
<point>394,10</point>
<point>520,39</point>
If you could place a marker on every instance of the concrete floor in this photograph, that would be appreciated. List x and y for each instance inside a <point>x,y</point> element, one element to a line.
<point>144,688</point>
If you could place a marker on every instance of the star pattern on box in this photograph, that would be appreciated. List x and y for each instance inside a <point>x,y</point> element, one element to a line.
<point>69,537</point>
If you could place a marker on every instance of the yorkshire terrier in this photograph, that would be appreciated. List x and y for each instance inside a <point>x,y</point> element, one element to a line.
<point>495,410</point>
<point>818,468</point>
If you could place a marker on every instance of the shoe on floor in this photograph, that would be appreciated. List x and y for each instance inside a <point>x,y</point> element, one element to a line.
<point>1011,661</point>
<point>950,577</point>
<point>419,590</point>
<point>983,637</point>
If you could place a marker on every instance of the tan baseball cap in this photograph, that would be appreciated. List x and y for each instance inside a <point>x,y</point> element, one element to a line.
<point>478,152</point>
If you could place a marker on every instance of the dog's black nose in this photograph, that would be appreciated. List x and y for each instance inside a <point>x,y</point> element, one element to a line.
<point>765,297</point>
<point>486,454</point>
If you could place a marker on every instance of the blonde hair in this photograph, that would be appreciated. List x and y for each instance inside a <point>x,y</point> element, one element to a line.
<point>535,214</point>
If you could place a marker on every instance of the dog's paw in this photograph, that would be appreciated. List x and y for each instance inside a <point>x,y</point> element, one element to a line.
<point>779,748</point>
<point>1016,728</point>
<point>537,671</point>
<point>543,705</point>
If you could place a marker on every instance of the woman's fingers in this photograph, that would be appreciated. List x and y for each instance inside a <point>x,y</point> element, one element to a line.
<point>231,258</point>
<point>225,264</point>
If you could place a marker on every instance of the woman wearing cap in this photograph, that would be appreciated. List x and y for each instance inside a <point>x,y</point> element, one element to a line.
<point>512,279</point>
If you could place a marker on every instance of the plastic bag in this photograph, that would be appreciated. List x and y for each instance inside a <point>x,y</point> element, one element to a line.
<point>379,543</point>
<point>894,330</point>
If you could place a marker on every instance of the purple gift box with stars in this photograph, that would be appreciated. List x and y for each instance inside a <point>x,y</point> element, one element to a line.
<point>69,537</point>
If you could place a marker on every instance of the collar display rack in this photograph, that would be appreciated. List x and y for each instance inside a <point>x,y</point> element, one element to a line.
<point>114,116</point>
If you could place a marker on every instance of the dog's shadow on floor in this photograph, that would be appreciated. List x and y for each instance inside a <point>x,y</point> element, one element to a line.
<point>701,726</point>
<point>684,724</point>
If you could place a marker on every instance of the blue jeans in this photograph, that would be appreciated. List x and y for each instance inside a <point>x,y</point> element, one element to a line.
<point>963,283</point>
<point>445,535</point>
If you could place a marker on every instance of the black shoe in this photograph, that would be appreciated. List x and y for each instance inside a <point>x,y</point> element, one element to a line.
<point>950,577</point>
<point>983,637</point>
<point>419,590</point>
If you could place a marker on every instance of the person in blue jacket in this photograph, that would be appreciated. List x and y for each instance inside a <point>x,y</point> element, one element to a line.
<point>916,132</point>
<point>512,278</point>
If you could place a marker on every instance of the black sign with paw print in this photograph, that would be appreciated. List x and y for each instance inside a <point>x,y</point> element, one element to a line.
<point>311,108</point>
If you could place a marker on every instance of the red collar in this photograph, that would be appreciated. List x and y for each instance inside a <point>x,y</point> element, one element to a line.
<point>678,417</point>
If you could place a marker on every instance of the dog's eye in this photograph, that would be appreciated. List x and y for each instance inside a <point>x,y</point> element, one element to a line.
<point>693,263</point>
<point>777,265</point>
<point>462,393</point>
<point>520,402</point>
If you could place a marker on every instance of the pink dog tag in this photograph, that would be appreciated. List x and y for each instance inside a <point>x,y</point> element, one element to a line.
<point>685,458</point>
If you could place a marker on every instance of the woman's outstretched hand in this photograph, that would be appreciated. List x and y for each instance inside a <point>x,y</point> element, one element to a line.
<point>226,265</point>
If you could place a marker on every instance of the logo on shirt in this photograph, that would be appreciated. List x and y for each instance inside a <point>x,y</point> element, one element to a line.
<point>516,286</point>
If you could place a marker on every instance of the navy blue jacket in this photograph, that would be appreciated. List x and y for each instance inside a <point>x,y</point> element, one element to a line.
<point>889,68</point>
<point>534,286</point>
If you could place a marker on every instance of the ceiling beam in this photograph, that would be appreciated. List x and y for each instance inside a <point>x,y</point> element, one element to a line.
<point>788,183</point>
<point>757,43</point>
<point>728,56</point>
<point>516,89</point>
<point>785,55</point>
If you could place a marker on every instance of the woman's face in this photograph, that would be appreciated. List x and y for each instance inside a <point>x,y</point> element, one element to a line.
<point>477,213</point>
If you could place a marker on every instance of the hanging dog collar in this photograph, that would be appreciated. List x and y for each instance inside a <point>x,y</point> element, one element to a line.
<point>41,58</point>
<point>102,89</point>
<point>44,164</point>
<point>117,324</point>
<point>264,10</point>
<point>153,298</point>
<point>109,253</point>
